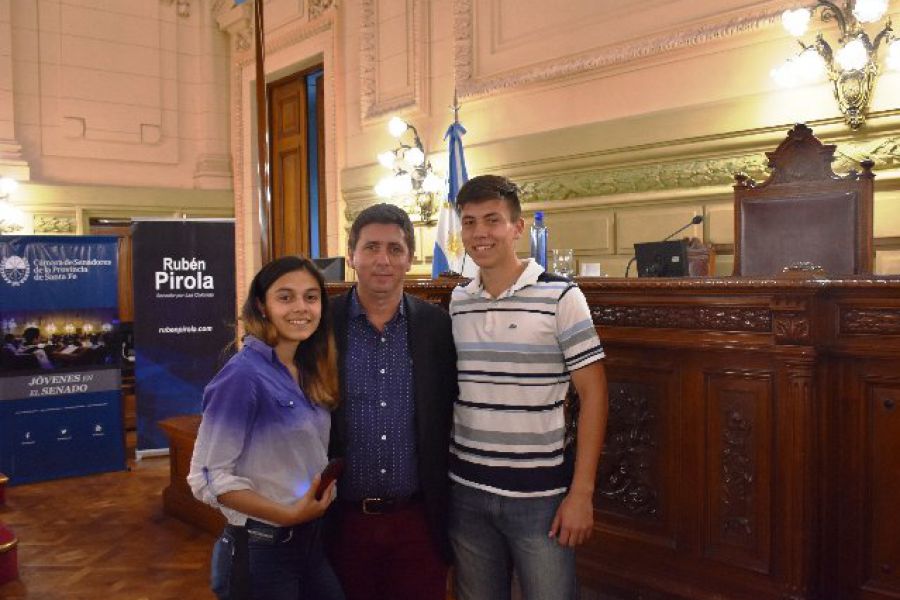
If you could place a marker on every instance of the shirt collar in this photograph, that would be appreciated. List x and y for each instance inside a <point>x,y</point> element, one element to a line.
<point>356,308</point>
<point>528,277</point>
<point>257,345</point>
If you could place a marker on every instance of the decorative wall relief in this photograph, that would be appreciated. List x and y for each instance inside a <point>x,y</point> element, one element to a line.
<point>54,224</point>
<point>690,173</point>
<point>644,178</point>
<point>393,80</point>
<point>237,21</point>
<point>317,7</point>
<point>884,151</point>
<point>626,482</point>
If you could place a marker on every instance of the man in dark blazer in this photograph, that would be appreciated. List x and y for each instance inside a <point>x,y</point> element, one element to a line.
<point>397,364</point>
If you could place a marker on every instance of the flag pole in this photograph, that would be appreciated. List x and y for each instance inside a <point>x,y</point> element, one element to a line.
<point>455,108</point>
<point>266,234</point>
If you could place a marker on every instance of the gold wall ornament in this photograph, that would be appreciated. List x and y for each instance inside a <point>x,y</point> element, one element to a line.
<point>852,67</point>
<point>54,224</point>
<point>680,174</point>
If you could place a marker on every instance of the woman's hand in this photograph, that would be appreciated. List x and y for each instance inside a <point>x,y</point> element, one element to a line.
<point>308,508</point>
<point>305,509</point>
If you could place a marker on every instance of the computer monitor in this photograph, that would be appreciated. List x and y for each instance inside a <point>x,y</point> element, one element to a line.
<point>332,267</point>
<point>662,259</point>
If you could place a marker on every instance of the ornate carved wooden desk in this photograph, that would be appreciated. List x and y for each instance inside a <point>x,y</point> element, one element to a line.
<point>753,448</point>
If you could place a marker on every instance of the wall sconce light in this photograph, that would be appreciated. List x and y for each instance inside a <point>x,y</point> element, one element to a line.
<point>413,181</point>
<point>853,68</point>
<point>10,216</point>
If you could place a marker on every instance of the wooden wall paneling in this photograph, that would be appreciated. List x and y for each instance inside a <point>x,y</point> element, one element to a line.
<point>868,530</point>
<point>861,546</point>
<point>881,575</point>
<point>637,477</point>
<point>736,520</point>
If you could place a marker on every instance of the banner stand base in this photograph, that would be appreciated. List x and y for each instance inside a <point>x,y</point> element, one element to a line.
<point>152,453</point>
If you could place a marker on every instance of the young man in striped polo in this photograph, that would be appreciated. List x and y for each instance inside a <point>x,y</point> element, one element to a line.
<point>521,498</point>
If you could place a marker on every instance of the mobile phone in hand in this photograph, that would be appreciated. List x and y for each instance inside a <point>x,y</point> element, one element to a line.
<point>330,473</point>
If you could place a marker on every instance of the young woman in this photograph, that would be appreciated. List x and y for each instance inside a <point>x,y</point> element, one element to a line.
<point>263,440</point>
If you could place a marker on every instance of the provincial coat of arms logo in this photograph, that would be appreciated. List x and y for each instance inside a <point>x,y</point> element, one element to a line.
<point>14,270</point>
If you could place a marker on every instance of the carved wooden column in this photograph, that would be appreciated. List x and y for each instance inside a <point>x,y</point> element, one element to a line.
<point>795,467</point>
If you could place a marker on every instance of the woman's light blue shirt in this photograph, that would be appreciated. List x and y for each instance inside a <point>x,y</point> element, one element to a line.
<point>258,432</point>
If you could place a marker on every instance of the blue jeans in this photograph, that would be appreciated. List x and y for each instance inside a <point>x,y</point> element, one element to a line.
<point>293,569</point>
<point>493,534</point>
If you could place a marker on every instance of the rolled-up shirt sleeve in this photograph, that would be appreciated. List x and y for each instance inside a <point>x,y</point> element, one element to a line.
<point>229,408</point>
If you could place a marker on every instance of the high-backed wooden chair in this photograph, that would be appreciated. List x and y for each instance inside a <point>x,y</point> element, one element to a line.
<point>803,213</point>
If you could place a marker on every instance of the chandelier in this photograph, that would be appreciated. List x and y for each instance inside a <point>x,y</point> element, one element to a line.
<point>10,216</point>
<point>853,67</point>
<point>412,182</point>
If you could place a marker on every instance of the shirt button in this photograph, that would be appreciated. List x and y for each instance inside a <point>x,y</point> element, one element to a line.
<point>383,404</point>
<point>291,403</point>
<point>383,471</point>
<point>384,437</point>
<point>383,340</point>
<point>381,371</point>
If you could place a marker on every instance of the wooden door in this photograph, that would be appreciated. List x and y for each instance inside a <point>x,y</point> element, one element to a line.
<point>295,210</point>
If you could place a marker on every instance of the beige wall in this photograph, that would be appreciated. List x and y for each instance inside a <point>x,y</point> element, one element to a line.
<point>620,120</point>
<point>113,109</point>
<point>621,124</point>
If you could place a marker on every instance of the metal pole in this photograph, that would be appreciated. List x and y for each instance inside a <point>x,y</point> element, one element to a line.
<point>266,234</point>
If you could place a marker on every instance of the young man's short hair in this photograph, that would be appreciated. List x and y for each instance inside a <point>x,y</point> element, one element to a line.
<point>383,214</point>
<point>490,187</point>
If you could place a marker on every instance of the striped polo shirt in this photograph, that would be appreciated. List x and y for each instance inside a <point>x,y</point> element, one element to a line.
<point>515,353</point>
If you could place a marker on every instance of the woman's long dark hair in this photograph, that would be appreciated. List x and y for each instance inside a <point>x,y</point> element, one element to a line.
<point>316,357</point>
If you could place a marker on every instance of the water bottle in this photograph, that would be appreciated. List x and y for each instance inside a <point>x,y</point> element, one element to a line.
<point>539,239</point>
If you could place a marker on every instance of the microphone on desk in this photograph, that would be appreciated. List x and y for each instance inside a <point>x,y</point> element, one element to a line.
<point>695,221</point>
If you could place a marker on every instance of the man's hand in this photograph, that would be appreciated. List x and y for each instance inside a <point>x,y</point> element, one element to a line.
<point>574,521</point>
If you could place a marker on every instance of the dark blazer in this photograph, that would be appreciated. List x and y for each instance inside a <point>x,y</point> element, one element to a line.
<point>435,389</point>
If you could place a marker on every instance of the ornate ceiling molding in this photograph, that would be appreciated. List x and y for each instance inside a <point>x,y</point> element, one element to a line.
<point>464,51</point>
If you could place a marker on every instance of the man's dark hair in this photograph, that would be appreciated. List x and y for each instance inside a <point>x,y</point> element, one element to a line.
<point>490,187</point>
<point>382,214</point>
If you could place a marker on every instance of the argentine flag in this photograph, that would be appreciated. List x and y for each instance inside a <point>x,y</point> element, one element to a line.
<point>449,254</point>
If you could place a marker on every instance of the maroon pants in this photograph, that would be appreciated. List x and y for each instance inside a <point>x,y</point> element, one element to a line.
<point>387,557</point>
